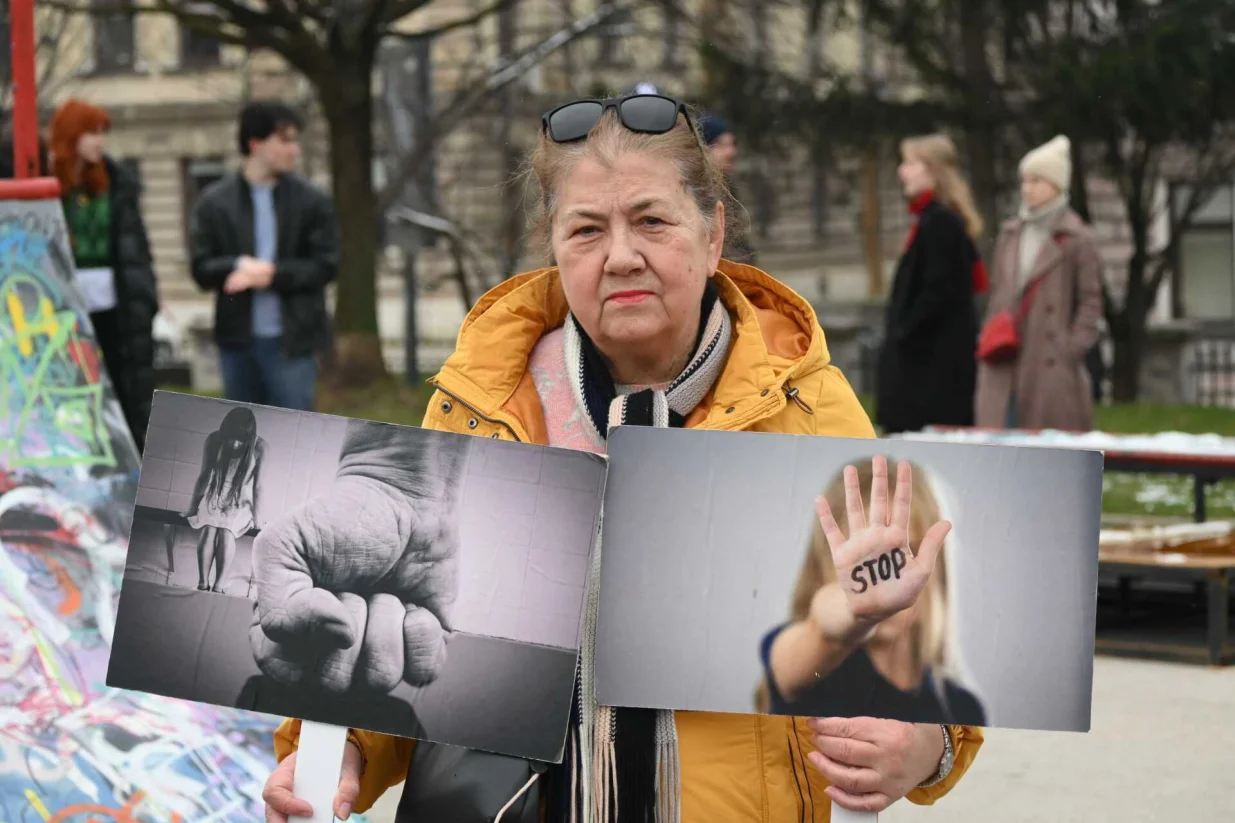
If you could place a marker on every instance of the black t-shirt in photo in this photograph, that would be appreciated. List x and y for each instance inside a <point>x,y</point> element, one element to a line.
<point>857,689</point>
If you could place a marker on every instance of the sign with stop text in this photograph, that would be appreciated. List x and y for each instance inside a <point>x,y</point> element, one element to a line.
<point>833,577</point>
<point>386,578</point>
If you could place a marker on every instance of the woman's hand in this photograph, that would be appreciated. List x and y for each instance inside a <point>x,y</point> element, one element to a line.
<point>281,803</point>
<point>878,571</point>
<point>873,763</point>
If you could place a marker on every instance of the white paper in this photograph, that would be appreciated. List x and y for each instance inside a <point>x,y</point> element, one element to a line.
<point>843,815</point>
<point>319,762</point>
<point>98,288</point>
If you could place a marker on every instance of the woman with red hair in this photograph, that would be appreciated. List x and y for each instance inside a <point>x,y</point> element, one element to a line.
<point>114,268</point>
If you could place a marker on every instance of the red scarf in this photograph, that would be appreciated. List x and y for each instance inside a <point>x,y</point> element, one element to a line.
<point>981,281</point>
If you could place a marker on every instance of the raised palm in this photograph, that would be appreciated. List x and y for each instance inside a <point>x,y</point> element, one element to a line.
<point>879,573</point>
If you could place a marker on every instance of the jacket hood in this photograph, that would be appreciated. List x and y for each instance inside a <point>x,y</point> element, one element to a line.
<point>776,336</point>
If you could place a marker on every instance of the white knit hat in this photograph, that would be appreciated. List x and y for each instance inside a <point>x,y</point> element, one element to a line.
<point>1052,161</point>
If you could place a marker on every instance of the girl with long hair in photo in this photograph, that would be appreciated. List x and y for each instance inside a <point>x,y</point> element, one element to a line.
<point>224,503</point>
<point>927,369</point>
<point>830,661</point>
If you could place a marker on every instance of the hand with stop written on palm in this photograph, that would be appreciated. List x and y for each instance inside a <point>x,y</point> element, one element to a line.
<point>876,576</point>
<point>879,573</point>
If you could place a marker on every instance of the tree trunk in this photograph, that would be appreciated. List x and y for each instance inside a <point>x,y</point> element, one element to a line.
<point>347,101</point>
<point>1127,328</point>
<point>872,223</point>
<point>1129,343</point>
<point>1079,196</point>
<point>980,107</point>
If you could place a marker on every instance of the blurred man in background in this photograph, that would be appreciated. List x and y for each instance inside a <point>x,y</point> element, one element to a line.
<point>723,144</point>
<point>266,242</point>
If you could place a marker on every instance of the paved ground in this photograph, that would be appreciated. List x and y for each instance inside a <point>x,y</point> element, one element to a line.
<point>1162,749</point>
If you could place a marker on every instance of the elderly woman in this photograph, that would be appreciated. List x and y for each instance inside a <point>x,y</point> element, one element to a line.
<point>641,323</point>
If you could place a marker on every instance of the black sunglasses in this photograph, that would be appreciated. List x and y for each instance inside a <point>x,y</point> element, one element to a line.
<point>647,113</point>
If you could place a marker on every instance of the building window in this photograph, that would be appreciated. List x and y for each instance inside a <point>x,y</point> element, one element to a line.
<point>6,44</point>
<point>196,173</point>
<point>114,42</point>
<point>672,29</point>
<point>1205,257</point>
<point>612,35</point>
<point>196,49</point>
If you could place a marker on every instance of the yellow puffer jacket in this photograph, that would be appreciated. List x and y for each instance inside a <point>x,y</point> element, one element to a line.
<point>778,379</point>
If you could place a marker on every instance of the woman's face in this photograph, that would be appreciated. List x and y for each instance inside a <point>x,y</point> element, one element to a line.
<point>90,146</point>
<point>915,177</point>
<point>1037,191</point>
<point>633,251</point>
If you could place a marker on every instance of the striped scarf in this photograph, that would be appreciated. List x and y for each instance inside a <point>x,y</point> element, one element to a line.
<point>627,759</point>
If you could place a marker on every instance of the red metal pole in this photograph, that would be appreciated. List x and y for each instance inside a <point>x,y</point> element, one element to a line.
<point>25,95</point>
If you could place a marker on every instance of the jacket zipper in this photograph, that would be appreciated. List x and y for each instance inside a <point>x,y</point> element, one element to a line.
<point>473,410</point>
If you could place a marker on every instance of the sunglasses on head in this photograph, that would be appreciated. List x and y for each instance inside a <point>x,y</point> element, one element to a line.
<point>647,113</point>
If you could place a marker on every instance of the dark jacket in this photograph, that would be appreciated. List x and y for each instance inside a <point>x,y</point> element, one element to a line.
<point>221,229</point>
<point>927,369</point>
<point>127,340</point>
<point>856,688</point>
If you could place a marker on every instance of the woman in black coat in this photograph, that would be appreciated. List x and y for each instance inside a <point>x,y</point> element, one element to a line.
<point>114,267</point>
<point>927,370</point>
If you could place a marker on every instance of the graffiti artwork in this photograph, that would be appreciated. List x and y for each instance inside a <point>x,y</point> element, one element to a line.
<point>71,749</point>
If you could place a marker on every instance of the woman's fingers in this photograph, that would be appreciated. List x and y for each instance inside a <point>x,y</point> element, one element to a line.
<point>831,531</point>
<point>847,750</point>
<point>280,802</point>
<point>853,779</point>
<point>903,497</point>
<point>853,500</point>
<point>873,802</point>
<point>879,491</point>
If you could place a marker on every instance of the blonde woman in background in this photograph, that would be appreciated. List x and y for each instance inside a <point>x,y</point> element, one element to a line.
<point>828,660</point>
<point>927,370</point>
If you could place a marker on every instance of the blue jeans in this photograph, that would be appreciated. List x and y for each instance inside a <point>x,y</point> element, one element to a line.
<point>260,373</point>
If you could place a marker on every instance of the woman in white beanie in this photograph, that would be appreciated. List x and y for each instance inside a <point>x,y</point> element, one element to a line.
<point>1044,309</point>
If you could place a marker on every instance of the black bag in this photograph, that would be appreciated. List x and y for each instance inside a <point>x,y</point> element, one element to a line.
<point>451,783</point>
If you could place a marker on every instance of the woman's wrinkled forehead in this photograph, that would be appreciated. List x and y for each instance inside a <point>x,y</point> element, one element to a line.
<point>629,183</point>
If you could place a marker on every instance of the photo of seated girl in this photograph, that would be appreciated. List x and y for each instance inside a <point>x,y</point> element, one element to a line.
<point>224,502</point>
<point>875,640</point>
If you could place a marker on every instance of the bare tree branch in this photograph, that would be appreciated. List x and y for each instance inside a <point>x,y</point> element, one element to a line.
<point>462,22</point>
<point>469,99</point>
<point>390,11</point>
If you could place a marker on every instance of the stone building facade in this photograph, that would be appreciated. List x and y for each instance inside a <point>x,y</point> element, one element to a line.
<point>173,97</point>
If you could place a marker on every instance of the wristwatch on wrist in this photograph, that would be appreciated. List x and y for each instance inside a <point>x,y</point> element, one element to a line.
<point>945,762</point>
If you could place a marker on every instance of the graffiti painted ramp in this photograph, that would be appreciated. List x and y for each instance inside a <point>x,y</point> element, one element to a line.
<point>71,749</point>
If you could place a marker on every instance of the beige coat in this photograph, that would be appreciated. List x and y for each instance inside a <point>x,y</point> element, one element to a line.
<point>1049,379</point>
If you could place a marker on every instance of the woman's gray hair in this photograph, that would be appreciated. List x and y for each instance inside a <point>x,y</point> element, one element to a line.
<point>609,139</point>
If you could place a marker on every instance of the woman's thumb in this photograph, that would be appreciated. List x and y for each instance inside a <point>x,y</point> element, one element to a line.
<point>932,542</point>
<point>349,782</point>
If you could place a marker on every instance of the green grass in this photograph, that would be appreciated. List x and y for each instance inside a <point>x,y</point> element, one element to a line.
<point>389,401</point>
<point>1156,495</point>
<point>392,401</point>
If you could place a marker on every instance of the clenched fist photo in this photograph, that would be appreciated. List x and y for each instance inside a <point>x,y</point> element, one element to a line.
<point>385,578</point>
